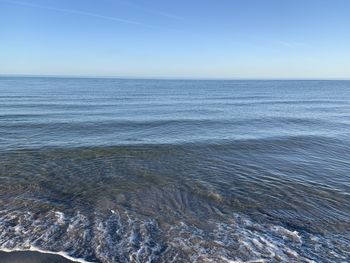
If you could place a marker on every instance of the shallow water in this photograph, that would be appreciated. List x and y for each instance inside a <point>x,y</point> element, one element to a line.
<point>113,170</point>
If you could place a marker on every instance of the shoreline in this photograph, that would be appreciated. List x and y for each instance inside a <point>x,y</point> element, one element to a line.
<point>34,255</point>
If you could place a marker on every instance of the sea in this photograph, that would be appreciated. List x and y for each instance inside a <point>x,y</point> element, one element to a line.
<point>130,170</point>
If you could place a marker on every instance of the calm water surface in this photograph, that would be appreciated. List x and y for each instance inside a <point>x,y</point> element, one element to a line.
<point>111,170</point>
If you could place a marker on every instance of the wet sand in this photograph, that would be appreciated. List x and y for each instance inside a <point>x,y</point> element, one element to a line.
<point>31,257</point>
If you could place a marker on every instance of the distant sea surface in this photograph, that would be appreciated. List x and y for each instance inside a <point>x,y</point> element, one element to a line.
<point>110,170</point>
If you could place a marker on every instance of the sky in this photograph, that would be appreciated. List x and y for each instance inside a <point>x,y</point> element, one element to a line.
<point>206,39</point>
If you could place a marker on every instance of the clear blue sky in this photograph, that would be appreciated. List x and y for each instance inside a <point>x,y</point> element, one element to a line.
<point>176,38</point>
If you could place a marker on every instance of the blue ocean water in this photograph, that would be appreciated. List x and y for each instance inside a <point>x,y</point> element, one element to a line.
<point>114,170</point>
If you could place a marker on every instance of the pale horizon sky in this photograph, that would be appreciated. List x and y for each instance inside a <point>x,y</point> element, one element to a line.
<point>205,39</point>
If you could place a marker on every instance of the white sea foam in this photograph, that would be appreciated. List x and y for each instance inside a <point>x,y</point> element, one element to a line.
<point>287,234</point>
<point>60,217</point>
<point>121,236</point>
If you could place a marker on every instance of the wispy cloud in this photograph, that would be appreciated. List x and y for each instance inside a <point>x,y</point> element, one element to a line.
<point>292,44</point>
<point>76,12</point>
<point>149,10</point>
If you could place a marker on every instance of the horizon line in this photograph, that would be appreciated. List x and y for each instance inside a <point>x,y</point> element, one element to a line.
<point>166,78</point>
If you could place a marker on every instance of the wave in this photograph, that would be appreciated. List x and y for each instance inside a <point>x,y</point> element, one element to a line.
<point>192,130</point>
<point>170,121</point>
<point>119,236</point>
<point>266,144</point>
